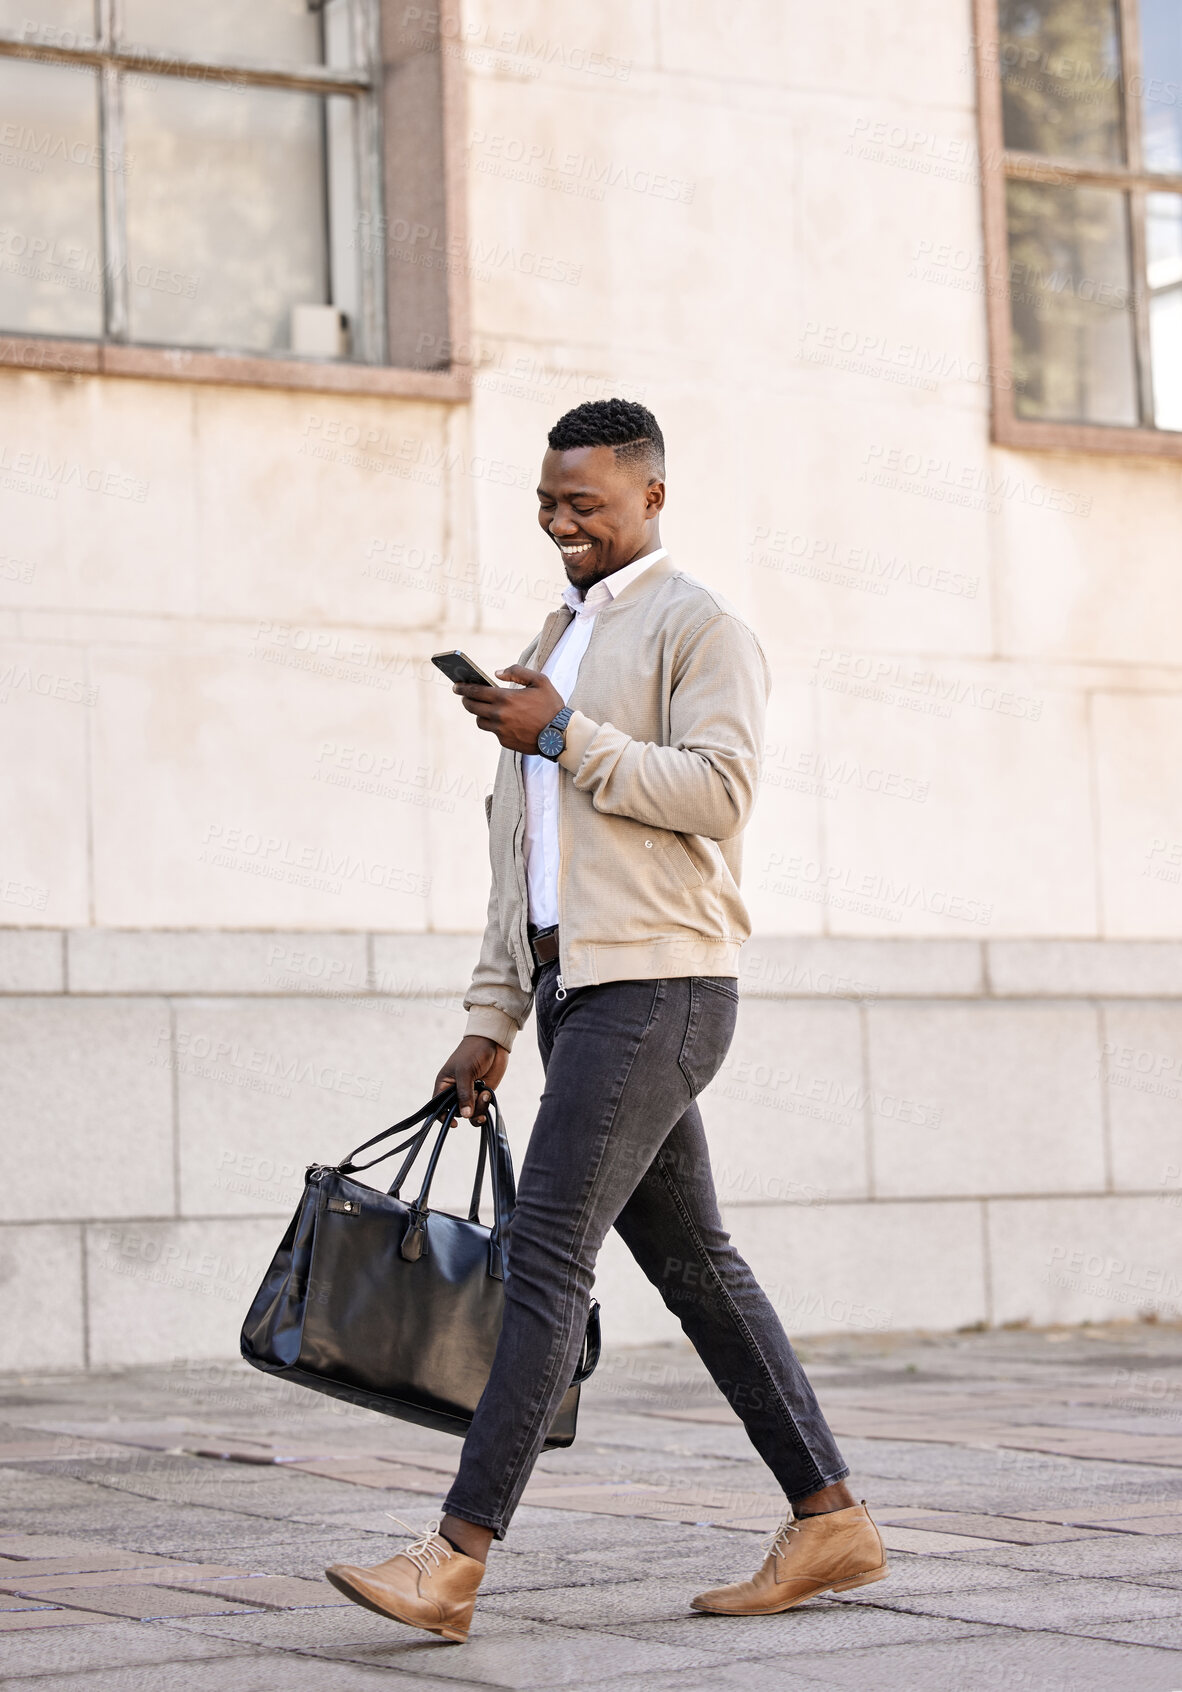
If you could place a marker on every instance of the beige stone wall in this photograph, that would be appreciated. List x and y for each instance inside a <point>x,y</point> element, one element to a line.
<point>218,715</point>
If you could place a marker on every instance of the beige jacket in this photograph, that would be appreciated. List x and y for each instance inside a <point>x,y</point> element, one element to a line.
<point>662,755</point>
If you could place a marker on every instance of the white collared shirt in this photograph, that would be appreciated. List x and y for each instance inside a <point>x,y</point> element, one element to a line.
<point>542,775</point>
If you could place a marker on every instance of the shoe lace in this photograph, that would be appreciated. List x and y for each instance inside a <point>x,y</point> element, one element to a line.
<point>776,1544</point>
<point>426,1551</point>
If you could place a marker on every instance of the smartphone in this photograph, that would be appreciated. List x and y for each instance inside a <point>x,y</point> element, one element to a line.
<point>458,667</point>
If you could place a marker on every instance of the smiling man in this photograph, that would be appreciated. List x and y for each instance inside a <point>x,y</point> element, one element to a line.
<point>628,773</point>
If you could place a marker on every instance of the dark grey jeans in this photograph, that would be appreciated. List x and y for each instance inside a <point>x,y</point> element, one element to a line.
<point>619,1141</point>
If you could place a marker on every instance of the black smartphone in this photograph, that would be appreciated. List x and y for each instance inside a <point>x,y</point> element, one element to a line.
<point>458,667</point>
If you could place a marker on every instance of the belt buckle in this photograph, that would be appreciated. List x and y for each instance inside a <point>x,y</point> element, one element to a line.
<point>551,935</point>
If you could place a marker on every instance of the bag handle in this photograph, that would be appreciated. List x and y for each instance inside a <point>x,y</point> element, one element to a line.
<point>434,1107</point>
<point>494,1151</point>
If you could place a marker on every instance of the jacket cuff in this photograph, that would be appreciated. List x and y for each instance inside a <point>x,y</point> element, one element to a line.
<point>580,732</point>
<point>492,1024</point>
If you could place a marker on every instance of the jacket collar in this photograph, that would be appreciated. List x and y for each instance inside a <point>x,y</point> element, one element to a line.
<point>552,629</point>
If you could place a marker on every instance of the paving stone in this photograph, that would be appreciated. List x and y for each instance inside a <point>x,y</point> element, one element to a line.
<point>272,1672</point>
<point>12,1621</point>
<point>1060,1603</point>
<point>997,1661</point>
<point>816,1626</point>
<point>271,1592</point>
<point>30,1580</point>
<point>1126,1555</point>
<point>1167,1634</point>
<point>146,1602</point>
<point>589,1582</point>
<point>114,1644</point>
<point>82,1562</point>
<point>992,1528</point>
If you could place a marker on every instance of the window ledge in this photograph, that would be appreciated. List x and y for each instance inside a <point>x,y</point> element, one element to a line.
<point>177,364</point>
<point>1011,431</point>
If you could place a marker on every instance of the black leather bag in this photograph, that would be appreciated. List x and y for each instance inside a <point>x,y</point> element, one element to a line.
<point>389,1304</point>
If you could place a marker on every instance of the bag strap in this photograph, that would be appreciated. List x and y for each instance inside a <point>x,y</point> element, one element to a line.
<point>478,1184</point>
<point>433,1108</point>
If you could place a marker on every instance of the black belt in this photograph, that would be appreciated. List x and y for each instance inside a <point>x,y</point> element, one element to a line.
<point>543,943</point>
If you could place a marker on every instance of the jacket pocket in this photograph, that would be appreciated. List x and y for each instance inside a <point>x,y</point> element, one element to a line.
<point>488,799</point>
<point>679,863</point>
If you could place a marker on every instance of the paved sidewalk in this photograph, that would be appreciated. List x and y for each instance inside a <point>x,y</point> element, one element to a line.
<point>166,1529</point>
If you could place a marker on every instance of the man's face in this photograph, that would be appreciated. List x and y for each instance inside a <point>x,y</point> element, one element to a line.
<point>599,512</point>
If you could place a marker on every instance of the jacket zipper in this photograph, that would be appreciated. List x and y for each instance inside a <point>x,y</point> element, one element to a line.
<point>560,989</point>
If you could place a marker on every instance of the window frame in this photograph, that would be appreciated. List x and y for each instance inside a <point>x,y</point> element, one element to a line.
<point>999,166</point>
<point>384,162</point>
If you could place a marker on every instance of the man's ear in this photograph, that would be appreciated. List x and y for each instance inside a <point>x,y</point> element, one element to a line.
<point>654,497</point>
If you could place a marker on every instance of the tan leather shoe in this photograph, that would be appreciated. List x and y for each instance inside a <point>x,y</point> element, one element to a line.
<point>430,1585</point>
<point>830,1553</point>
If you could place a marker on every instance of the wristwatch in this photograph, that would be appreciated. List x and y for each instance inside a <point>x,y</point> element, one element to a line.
<point>552,739</point>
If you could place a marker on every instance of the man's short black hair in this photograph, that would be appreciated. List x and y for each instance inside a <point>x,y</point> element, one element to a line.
<point>630,429</point>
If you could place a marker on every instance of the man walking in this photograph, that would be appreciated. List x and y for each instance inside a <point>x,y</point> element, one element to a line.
<point>629,770</point>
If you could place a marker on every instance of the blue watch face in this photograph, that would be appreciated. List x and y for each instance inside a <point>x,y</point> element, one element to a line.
<point>551,741</point>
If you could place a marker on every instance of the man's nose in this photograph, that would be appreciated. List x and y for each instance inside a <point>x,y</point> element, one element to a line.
<point>564,526</point>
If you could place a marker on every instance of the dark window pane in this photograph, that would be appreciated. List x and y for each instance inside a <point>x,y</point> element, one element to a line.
<point>1060,78</point>
<point>1071,303</point>
<point>225,212</point>
<point>281,31</point>
<point>51,167</point>
<point>62,23</point>
<point>1163,245</point>
<point>1161,88</point>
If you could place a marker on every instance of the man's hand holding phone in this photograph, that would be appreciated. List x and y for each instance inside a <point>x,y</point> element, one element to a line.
<point>516,715</point>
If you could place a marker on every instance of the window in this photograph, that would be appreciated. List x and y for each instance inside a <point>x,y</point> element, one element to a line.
<point>1081,146</point>
<point>203,188</point>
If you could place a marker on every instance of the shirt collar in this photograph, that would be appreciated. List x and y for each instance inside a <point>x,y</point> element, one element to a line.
<point>611,586</point>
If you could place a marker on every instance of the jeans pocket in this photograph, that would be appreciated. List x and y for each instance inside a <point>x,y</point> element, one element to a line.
<point>709,1029</point>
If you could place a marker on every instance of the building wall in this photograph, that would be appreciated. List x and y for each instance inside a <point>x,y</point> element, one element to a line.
<point>228,756</point>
